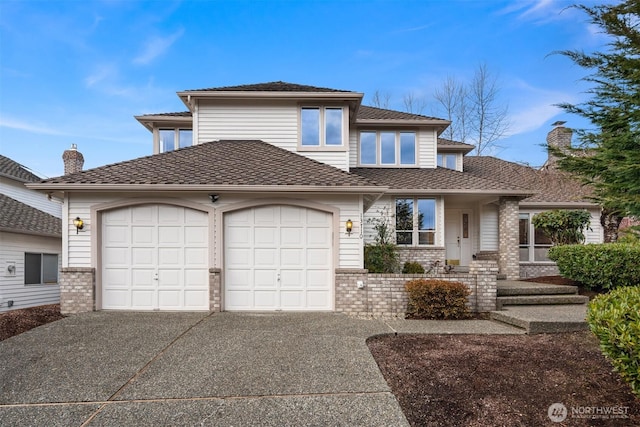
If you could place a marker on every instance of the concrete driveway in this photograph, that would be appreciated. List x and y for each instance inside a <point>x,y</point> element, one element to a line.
<point>156,369</point>
<point>195,369</point>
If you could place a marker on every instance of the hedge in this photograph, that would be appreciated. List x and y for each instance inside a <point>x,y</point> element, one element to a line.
<point>601,266</point>
<point>615,319</point>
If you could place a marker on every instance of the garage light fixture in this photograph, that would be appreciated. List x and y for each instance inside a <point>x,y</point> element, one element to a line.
<point>349,226</point>
<point>78,223</point>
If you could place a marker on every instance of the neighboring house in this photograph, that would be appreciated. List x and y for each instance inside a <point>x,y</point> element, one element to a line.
<point>30,240</point>
<point>246,203</point>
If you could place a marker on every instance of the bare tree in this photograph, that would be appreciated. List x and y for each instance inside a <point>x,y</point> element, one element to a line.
<point>488,120</point>
<point>413,103</point>
<point>474,109</point>
<point>380,100</point>
<point>451,97</point>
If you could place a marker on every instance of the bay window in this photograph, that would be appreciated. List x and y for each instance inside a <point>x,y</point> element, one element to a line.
<point>321,126</point>
<point>415,221</point>
<point>387,148</point>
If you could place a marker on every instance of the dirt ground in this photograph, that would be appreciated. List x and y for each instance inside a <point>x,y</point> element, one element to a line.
<point>18,321</point>
<point>502,380</point>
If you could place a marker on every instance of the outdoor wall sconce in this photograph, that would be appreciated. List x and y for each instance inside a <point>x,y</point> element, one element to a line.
<point>349,226</point>
<point>79,224</point>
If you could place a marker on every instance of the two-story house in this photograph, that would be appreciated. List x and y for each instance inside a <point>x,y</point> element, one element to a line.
<point>30,240</point>
<point>259,195</point>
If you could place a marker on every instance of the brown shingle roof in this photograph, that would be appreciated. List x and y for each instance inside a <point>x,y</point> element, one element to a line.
<point>220,163</point>
<point>456,144</point>
<point>17,217</point>
<point>269,87</point>
<point>177,114</point>
<point>374,113</point>
<point>439,180</point>
<point>14,170</point>
<point>552,186</point>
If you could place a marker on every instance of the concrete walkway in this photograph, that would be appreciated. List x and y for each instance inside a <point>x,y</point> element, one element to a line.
<point>157,369</point>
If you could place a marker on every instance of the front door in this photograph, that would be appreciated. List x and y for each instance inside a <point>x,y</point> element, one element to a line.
<point>457,235</point>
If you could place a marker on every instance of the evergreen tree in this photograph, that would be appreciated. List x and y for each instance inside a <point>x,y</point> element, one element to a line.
<point>608,157</point>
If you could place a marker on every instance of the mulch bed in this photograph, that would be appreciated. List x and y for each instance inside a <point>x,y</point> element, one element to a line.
<point>500,380</point>
<point>18,321</point>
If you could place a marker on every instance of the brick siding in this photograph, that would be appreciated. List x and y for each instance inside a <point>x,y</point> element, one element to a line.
<point>509,232</point>
<point>77,290</point>
<point>538,270</point>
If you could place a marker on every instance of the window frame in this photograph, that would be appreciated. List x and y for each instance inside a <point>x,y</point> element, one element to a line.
<point>531,246</point>
<point>441,160</point>
<point>176,137</point>
<point>416,232</point>
<point>397,148</point>
<point>322,128</point>
<point>43,272</point>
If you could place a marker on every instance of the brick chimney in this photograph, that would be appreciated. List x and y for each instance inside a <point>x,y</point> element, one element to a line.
<point>559,137</point>
<point>73,160</point>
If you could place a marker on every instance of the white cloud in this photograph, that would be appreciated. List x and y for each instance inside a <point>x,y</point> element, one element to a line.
<point>100,74</point>
<point>29,126</point>
<point>155,47</point>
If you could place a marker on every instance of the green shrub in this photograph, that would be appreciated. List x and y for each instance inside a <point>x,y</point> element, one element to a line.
<point>381,258</point>
<point>602,266</point>
<point>563,227</point>
<point>437,299</point>
<point>615,319</point>
<point>412,268</point>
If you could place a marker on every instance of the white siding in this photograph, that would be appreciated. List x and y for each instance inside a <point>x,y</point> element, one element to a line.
<point>353,147</point>
<point>350,247</point>
<point>489,228</point>
<point>12,287</point>
<point>275,123</point>
<point>17,190</point>
<point>596,233</point>
<point>427,148</point>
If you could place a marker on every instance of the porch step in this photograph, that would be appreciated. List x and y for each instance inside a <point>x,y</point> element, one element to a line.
<point>514,287</point>
<point>539,299</point>
<point>540,319</point>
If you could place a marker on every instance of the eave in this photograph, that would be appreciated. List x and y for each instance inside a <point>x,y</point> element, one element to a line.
<point>30,233</point>
<point>150,120</point>
<point>440,125</point>
<point>189,97</point>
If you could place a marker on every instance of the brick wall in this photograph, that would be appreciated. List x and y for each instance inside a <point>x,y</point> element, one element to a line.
<point>215,290</point>
<point>423,255</point>
<point>509,232</point>
<point>77,290</point>
<point>538,270</point>
<point>383,295</point>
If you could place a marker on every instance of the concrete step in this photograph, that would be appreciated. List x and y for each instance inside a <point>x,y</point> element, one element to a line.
<point>541,319</point>
<point>513,287</point>
<point>540,300</point>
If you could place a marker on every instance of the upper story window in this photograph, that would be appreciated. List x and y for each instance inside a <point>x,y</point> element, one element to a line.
<point>416,221</point>
<point>387,148</point>
<point>447,160</point>
<point>321,127</point>
<point>534,244</point>
<point>172,139</point>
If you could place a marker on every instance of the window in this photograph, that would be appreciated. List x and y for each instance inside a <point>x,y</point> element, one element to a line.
<point>40,269</point>
<point>387,148</point>
<point>321,126</point>
<point>172,139</point>
<point>534,244</point>
<point>415,221</point>
<point>447,161</point>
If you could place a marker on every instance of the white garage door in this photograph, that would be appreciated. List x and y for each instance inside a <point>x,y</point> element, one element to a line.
<point>155,257</point>
<point>278,258</point>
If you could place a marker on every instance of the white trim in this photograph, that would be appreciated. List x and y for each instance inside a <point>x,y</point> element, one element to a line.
<point>323,146</point>
<point>378,163</point>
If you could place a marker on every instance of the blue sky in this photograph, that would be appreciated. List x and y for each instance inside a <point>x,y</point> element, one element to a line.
<point>78,71</point>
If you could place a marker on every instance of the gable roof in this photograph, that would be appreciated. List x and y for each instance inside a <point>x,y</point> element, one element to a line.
<point>438,181</point>
<point>14,170</point>
<point>16,217</point>
<point>278,86</point>
<point>552,186</point>
<point>247,165</point>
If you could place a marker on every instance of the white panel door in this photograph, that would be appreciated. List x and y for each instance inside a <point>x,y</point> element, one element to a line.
<point>278,258</point>
<point>155,257</point>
